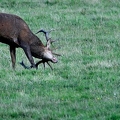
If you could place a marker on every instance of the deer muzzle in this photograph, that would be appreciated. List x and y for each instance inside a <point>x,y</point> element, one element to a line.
<point>54,60</point>
<point>48,56</point>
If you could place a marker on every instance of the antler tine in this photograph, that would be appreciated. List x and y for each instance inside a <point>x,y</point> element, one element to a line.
<point>45,32</point>
<point>56,54</point>
<point>41,31</point>
<point>50,65</point>
<point>38,63</point>
<point>42,61</point>
<point>52,41</point>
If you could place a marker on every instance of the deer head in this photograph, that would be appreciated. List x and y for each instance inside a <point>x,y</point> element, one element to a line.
<point>48,54</point>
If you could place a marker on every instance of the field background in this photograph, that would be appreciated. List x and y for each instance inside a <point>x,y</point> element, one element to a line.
<point>85,83</point>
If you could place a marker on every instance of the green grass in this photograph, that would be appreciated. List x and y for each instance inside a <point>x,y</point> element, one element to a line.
<point>85,83</point>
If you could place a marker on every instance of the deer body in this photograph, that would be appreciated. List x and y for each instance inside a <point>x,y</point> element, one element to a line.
<point>16,33</point>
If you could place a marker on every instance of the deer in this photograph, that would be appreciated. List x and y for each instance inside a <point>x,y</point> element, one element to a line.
<point>15,32</point>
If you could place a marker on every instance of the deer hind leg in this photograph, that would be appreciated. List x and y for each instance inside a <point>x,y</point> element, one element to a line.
<point>13,56</point>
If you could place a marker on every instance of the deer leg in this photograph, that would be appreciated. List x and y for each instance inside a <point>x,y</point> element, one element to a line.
<point>13,56</point>
<point>29,55</point>
<point>26,67</point>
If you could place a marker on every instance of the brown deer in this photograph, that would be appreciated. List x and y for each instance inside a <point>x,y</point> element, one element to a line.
<point>15,32</point>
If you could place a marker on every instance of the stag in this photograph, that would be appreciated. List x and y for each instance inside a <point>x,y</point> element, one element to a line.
<point>15,32</point>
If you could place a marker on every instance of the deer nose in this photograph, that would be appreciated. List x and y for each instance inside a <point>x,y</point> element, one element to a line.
<point>54,60</point>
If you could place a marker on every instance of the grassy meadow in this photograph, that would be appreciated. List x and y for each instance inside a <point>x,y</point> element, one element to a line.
<point>85,83</point>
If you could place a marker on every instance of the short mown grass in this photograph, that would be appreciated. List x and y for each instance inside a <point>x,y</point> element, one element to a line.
<point>85,83</point>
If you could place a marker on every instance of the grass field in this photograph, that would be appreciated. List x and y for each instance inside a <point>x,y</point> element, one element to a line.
<point>85,83</point>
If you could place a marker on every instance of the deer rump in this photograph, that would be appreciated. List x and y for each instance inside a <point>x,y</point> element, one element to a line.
<point>15,32</point>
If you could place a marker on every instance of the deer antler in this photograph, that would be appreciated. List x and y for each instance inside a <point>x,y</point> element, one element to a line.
<point>46,33</point>
<point>42,61</point>
<point>49,40</point>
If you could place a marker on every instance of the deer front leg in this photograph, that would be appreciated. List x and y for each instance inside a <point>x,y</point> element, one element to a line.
<point>26,67</point>
<point>13,56</point>
<point>29,55</point>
